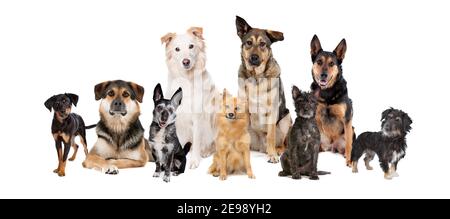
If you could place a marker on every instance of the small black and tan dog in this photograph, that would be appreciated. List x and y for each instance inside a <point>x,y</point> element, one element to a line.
<point>334,111</point>
<point>303,142</point>
<point>389,144</point>
<point>166,148</point>
<point>65,127</point>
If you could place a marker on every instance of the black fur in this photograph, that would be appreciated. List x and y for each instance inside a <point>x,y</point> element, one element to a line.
<point>166,149</point>
<point>303,143</point>
<point>389,144</point>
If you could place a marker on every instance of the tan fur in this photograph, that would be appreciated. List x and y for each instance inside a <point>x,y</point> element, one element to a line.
<point>232,141</point>
<point>333,130</point>
<point>333,70</point>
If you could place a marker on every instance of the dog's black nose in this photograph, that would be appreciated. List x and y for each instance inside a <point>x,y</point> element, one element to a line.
<point>254,59</point>
<point>186,62</point>
<point>164,116</point>
<point>324,75</point>
<point>117,103</point>
<point>230,115</point>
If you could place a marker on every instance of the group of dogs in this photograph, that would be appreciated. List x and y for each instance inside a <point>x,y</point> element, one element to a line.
<point>199,120</point>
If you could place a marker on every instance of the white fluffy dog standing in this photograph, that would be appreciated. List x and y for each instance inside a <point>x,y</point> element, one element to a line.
<point>186,58</point>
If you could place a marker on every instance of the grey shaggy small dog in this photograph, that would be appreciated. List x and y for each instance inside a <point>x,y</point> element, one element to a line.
<point>303,144</point>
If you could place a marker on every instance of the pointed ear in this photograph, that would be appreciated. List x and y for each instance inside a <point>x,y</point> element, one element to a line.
<point>138,91</point>
<point>242,27</point>
<point>99,90</point>
<point>176,98</point>
<point>157,93</point>
<point>73,98</point>
<point>167,38</point>
<point>295,92</point>
<point>340,50</point>
<point>316,48</point>
<point>196,31</point>
<point>386,113</point>
<point>275,36</point>
<point>49,103</point>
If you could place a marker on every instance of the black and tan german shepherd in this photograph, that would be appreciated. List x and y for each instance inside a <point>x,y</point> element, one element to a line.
<point>334,111</point>
<point>259,75</point>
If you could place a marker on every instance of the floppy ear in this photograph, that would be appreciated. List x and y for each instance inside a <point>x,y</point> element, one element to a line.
<point>316,48</point>
<point>167,38</point>
<point>99,90</point>
<point>295,92</point>
<point>196,31</point>
<point>157,93</point>
<point>406,122</point>
<point>49,103</point>
<point>138,91</point>
<point>340,50</point>
<point>176,98</point>
<point>73,98</point>
<point>242,27</point>
<point>386,113</point>
<point>275,36</point>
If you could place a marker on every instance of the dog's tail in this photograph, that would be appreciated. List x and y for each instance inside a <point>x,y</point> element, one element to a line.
<point>90,126</point>
<point>323,172</point>
<point>187,148</point>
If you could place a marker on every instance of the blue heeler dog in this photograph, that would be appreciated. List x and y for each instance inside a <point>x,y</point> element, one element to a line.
<point>166,149</point>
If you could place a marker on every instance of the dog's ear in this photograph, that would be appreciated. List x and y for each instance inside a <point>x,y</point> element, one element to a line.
<point>407,121</point>
<point>167,38</point>
<point>275,36</point>
<point>157,93</point>
<point>49,103</point>
<point>295,92</point>
<point>316,48</point>
<point>73,98</point>
<point>176,98</point>
<point>196,31</point>
<point>340,50</point>
<point>242,27</point>
<point>386,113</point>
<point>138,91</point>
<point>100,89</point>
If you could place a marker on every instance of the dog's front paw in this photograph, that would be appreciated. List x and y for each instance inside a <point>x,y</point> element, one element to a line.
<point>387,176</point>
<point>222,177</point>
<point>112,170</point>
<point>296,176</point>
<point>251,175</point>
<point>193,163</point>
<point>166,178</point>
<point>273,159</point>
<point>283,173</point>
<point>156,174</point>
<point>394,174</point>
<point>56,170</point>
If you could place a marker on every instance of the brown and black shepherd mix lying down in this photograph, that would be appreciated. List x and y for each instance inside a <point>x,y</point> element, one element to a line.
<point>121,142</point>
<point>334,111</point>
<point>259,74</point>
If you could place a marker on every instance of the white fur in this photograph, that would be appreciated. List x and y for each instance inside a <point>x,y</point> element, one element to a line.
<point>118,123</point>
<point>397,156</point>
<point>195,115</point>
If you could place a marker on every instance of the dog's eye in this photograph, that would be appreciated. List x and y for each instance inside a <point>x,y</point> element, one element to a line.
<point>249,43</point>
<point>319,62</point>
<point>262,44</point>
<point>125,94</point>
<point>331,64</point>
<point>159,108</point>
<point>177,49</point>
<point>64,101</point>
<point>111,93</point>
<point>191,46</point>
<point>237,108</point>
<point>170,110</point>
<point>398,119</point>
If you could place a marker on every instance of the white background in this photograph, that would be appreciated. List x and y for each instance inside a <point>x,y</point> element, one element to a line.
<point>397,56</point>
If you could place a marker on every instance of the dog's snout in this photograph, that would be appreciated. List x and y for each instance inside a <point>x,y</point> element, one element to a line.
<point>231,115</point>
<point>164,116</point>
<point>186,62</point>
<point>324,75</point>
<point>117,103</point>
